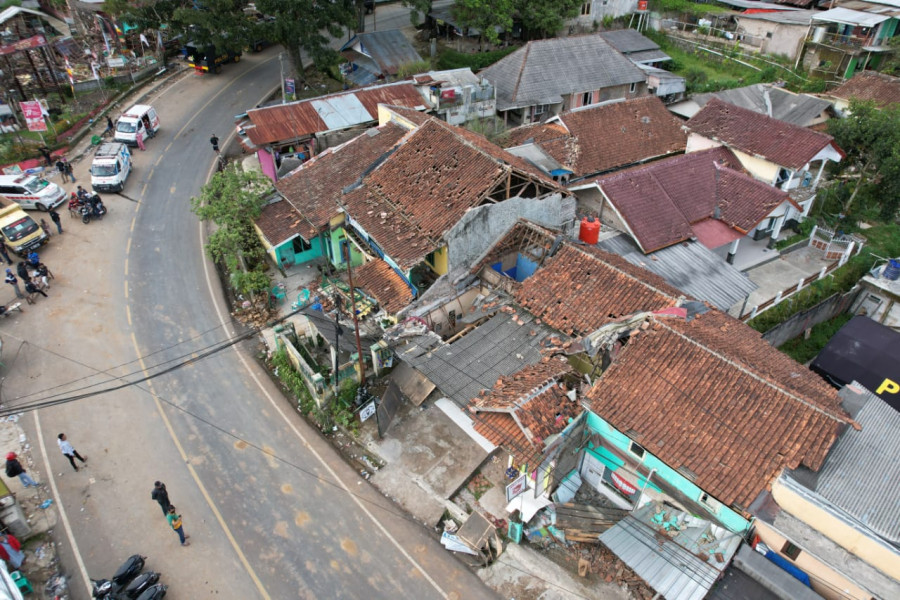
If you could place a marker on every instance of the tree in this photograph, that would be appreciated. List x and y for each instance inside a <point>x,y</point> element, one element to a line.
<point>219,23</point>
<point>233,200</point>
<point>419,9</point>
<point>145,14</point>
<point>545,18</point>
<point>871,139</point>
<point>485,16</point>
<point>307,26</point>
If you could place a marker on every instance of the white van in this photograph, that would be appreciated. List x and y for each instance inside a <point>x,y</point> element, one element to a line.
<point>31,191</point>
<point>111,167</point>
<point>140,117</point>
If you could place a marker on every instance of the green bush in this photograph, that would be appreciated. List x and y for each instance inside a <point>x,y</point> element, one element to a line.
<point>293,381</point>
<point>451,59</point>
<point>803,350</point>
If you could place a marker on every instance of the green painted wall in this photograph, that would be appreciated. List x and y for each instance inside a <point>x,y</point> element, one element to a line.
<point>729,518</point>
<point>333,248</point>
<point>286,251</point>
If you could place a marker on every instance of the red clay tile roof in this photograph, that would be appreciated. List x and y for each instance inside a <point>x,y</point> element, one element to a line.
<point>525,408</point>
<point>424,188</point>
<point>285,122</point>
<point>661,201</point>
<point>881,88</point>
<point>580,289</point>
<point>711,396</point>
<point>315,189</point>
<point>609,136</point>
<point>279,222</point>
<point>378,279</point>
<point>756,134</point>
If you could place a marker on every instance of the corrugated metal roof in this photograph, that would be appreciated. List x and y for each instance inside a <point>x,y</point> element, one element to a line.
<point>389,49</point>
<point>284,122</point>
<point>798,109</point>
<point>862,474</point>
<point>339,112</point>
<point>691,268</point>
<point>850,17</point>
<point>668,568</point>
<point>800,18</point>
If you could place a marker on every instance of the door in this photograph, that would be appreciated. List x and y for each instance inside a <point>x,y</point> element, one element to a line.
<point>23,197</point>
<point>154,119</point>
<point>592,470</point>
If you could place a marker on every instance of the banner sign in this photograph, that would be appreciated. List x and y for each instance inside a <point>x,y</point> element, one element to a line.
<point>289,86</point>
<point>35,41</point>
<point>34,115</point>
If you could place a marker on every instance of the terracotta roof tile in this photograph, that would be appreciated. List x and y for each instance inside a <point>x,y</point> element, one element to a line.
<point>315,188</point>
<point>377,278</point>
<point>661,201</point>
<point>756,134</point>
<point>580,289</point>
<point>279,222</point>
<point>501,429</point>
<point>730,411</point>
<point>883,89</point>
<point>643,129</point>
<point>284,122</point>
<point>511,391</point>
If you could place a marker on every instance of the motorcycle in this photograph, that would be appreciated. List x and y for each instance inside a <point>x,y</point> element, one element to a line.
<point>155,592</point>
<point>127,583</point>
<point>92,208</point>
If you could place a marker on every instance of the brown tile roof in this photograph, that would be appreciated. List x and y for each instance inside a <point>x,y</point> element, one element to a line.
<point>279,222</point>
<point>661,201</point>
<point>424,188</point>
<point>642,128</point>
<point>285,122</point>
<point>525,408</point>
<point>713,399</point>
<point>580,289</point>
<point>881,88</point>
<point>315,189</point>
<point>756,134</point>
<point>378,279</point>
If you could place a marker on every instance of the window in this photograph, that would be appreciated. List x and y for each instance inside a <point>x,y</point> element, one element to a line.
<point>587,98</point>
<point>632,88</point>
<point>790,550</point>
<point>300,245</point>
<point>769,34</point>
<point>636,449</point>
<point>709,501</point>
<point>586,9</point>
<point>540,109</point>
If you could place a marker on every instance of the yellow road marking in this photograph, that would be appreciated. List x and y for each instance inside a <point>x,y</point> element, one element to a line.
<point>125,284</point>
<point>196,477</point>
<point>144,190</point>
<point>133,221</point>
<point>126,267</point>
<point>128,313</point>
<point>128,247</point>
<point>172,190</point>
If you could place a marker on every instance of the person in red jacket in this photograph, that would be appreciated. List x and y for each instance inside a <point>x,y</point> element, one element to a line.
<point>11,550</point>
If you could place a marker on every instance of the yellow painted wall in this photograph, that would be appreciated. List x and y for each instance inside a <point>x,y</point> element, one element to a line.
<point>441,261</point>
<point>385,115</point>
<point>759,167</point>
<point>825,581</point>
<point>269,249</point>
<point>842,534</point>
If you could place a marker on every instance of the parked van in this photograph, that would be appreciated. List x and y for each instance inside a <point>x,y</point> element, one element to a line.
<point>31,191</point>
<point>111,167</point>
<point>140,117</point>
<point>19,231</point>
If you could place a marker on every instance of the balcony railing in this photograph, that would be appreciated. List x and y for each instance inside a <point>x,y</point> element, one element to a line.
<point>846,41</point>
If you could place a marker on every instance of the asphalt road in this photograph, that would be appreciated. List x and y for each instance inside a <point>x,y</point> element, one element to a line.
<point>272,509</point>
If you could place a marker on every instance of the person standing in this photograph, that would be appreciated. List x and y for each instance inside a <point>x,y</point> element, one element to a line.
<point>109,125</point>
<point>45,152</point>
<point>54,216</point>
<point>214,140</point>
<point>61,167</point>
<point>5,253</point>
<point>22,270</point>
<point>65,446</point>
<point>69,171</point>
<point>139,138</point>
<point>174,520</point>
<point>11,280</point>
<point>15,469</point>
<point>11,550</point>
<point>161,495</point>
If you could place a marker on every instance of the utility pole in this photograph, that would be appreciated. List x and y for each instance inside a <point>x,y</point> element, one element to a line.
<point>281,62</point>
<point>362,363</point>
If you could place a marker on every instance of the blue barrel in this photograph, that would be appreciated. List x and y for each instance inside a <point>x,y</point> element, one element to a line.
<point>891,270</point>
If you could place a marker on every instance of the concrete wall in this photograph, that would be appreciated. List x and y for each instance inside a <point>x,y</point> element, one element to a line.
<point>802,506</point>
<point>825,581</point>
<point>603,8</point>
<point>800,322</point>
<point>483,226</point>
<point>605,95</point>
<point>786,40</point>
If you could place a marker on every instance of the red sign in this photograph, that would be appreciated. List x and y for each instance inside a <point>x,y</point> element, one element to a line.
<point>34,41</point>
<point>34,115</point>
<point>624,486</point>
<point>642,5</point>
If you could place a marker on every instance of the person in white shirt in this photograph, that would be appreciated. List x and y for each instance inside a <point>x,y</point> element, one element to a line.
<point>68,451</point>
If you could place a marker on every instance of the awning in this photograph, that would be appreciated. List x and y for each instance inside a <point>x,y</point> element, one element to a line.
<point>713,233</point>
<point>846,16</point>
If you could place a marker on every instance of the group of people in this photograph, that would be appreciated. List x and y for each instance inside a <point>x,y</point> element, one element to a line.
<point>35,275</point>
<point>161,496</point>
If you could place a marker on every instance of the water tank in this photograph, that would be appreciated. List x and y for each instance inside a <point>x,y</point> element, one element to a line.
<point>891,270</point>
<point>819,34</point>
<point>589,232</point>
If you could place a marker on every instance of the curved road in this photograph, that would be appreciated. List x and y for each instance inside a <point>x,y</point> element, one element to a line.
<point>272,509</point>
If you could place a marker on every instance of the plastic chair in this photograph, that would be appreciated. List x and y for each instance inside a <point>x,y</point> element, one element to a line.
<point>22,582</point>
<point>95,140</point>
<point>302,299</point>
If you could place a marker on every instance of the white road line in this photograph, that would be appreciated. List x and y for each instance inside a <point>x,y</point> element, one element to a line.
<point>350,493</point>
<point>62,509</point>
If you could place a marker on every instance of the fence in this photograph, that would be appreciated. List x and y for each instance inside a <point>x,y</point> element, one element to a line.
<point>826,309</point>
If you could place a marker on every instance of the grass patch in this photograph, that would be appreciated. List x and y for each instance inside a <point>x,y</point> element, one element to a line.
<point>451,59</point>
<point>805,349</point>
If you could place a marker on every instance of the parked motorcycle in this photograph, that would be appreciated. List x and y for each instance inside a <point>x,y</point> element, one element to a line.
<point>92,208</point>
<point>155,592</point>
<point>127,583</point>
